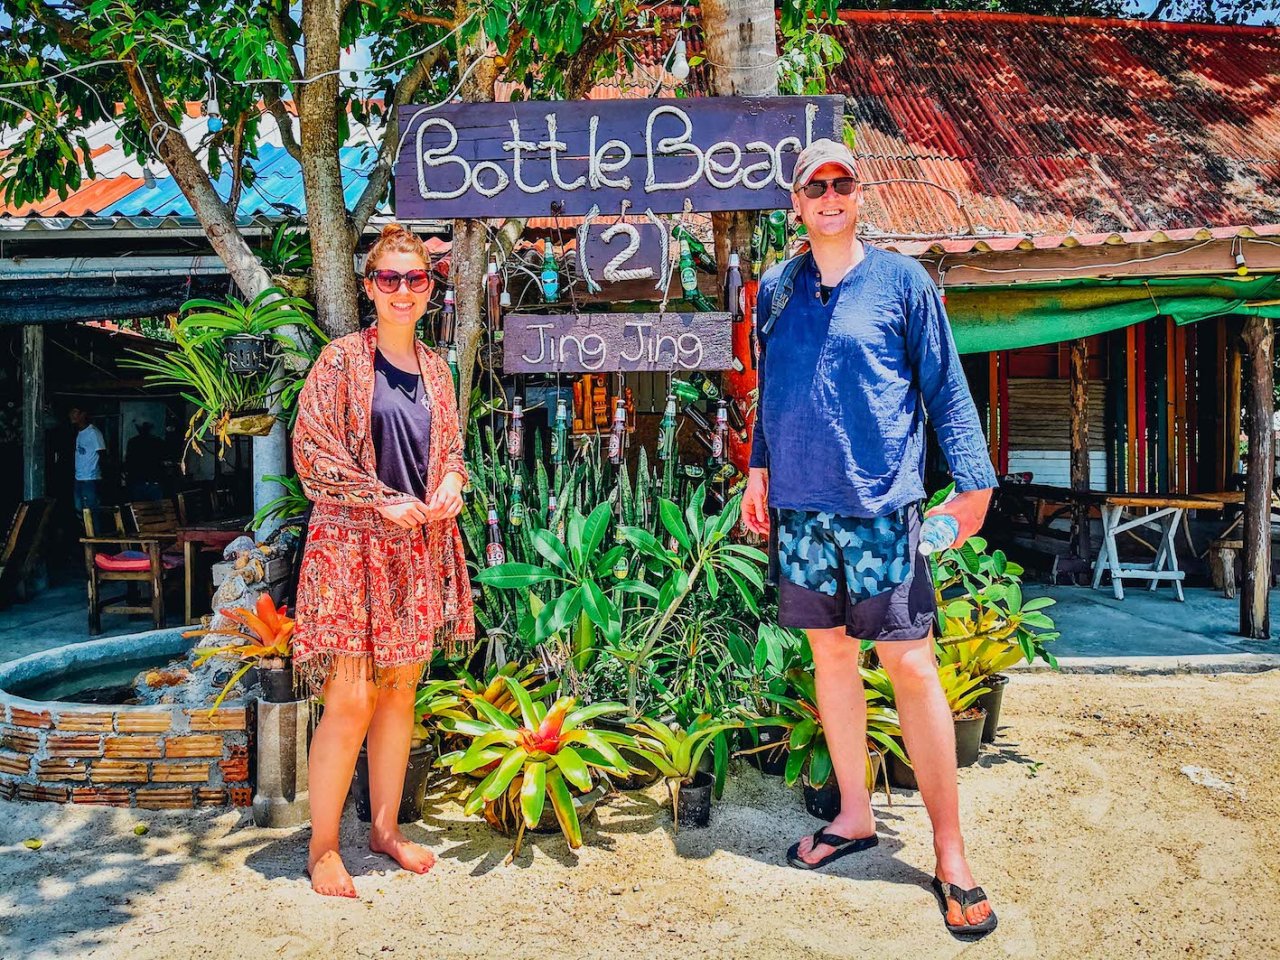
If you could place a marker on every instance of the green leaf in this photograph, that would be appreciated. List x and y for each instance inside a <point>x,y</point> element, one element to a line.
<point>574,768</point>
<point>674,523</point>
<point>602,611</point>
<point>501,778</point>
<point>562,803</point>
<point>533,793</point>
<point>513,576</point>
<point>594,530</point>
<point>521,696</point>
<point>551,549</point>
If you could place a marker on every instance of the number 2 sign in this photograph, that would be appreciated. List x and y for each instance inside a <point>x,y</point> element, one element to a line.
<point>623,260</point>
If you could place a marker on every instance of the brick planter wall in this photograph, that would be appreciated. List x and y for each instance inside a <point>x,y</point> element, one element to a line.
<point>155,757</point>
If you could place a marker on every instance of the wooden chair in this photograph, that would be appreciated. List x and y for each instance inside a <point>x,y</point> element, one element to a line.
<point>111,554</point>
<point>22,546</point>
<point>224,503</point>
<point>157,518</point>
<point>194,506</point>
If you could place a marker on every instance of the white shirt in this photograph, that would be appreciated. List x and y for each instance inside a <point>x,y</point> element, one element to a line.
<point>89,446</point>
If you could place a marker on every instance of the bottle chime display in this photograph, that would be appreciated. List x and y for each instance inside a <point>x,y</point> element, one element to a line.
<point>515,431</point>
<point>667,430</point>
<point>493,299</point>
<point>516,509</point>
<point>448,317</point>
<point>618,434</point>
<point>560,433</point>
<point>733,288</point>
<point>494,552</point>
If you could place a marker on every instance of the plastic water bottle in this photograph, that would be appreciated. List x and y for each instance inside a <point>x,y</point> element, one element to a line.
<point>938,532</point>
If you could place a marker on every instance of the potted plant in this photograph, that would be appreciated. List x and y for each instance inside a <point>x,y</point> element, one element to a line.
<point>264,640</point>
<point>549,753</point>
<point>211,362</point>
<point>809,757</point>
<point>678,751</point>
<point>962,693</point>
<point>762,670</point>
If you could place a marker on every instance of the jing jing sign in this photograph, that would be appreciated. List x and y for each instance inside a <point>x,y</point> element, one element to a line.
<point>529,158</point>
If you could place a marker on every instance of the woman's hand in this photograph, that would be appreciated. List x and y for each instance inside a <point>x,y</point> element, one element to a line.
<point>446,502</point>
<point>413,513</point>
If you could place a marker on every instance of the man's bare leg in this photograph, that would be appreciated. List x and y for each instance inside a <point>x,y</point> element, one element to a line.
<point>930,736</point>
<point>844,722</point>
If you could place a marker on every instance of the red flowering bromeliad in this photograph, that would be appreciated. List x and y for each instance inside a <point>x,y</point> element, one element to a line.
<point>541,756</point>
<point>264,635</point>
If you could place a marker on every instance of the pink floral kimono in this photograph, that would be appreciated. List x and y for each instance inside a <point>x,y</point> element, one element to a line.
<point>367,588</point>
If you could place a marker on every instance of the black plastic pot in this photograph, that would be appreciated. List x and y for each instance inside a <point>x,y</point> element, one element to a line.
<point>647,774</point>
<point>969,737</point>
<point>772,762</point>
<point>901,775</point>
<point>415,785</point>
<point>246,353</point>
<point>693,804</point>
<point>990,702</point>
<point>277,685</point>
<point>822,802</point>
<point>583,805</point>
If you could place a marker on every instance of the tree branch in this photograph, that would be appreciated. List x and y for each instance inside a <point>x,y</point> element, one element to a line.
<point>276,22</point>
<point>380,175</point>
<point>67,33</point>
<point>237,160</point>
<point>424,20</point>
<point>275,106</point>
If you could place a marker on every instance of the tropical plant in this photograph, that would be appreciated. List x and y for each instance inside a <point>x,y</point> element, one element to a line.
<point>961,690</point>
<point>678,751</point>
<point>271,313</point>
<point>434,699</point>
<point>540,756</point>
<point>263,638</point>
<point>807,745</point>
<point>291,504</point>
<point>289,251</point>
<point>761,668</point>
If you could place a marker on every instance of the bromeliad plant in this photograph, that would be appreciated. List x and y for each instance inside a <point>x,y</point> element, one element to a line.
<point>544,755</point>
<point>264,638</point>
<point>678,751</point>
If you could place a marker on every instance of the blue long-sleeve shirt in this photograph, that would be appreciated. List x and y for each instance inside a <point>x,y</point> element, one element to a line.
<point>845,386</point>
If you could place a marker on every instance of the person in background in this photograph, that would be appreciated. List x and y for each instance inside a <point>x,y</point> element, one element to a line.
<point>144,463</point>
<point>855,350</point>
<point>91,449</point>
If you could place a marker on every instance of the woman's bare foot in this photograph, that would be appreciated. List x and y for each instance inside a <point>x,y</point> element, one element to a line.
<point>329,875</point>
<point>412,856</point>
<point>846,824</point>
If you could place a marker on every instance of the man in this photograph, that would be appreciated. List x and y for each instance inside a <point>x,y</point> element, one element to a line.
<point>855,349</point>
<point>144,463</point>
<point>90,447</point>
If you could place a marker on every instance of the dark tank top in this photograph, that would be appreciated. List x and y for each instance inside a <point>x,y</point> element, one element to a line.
<point>401,426</point>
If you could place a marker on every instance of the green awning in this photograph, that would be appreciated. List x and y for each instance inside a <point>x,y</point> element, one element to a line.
<point>1029,314</point>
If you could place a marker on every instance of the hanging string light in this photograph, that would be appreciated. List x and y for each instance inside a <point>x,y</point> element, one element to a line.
<point>148,178</point>
<point>1242,267</point>
<point>679,59</point>
<point>212,112</point>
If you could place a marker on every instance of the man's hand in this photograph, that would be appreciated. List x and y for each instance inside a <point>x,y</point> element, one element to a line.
<point>446,502</point>
<point>969,509</point>
<point>755,501</point>
<point>407,515</point>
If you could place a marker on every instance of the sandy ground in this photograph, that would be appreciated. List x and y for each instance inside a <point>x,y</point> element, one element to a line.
<point>1091,838</point>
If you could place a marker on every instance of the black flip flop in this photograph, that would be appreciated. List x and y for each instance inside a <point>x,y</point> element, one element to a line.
<point>843,847</point>
<point>966,899</point>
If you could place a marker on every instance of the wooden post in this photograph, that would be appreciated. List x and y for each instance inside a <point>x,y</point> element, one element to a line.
<point>1255,617</point>
<point>1080,446</point>
<point>32,411</point>
<point>1231,436</point>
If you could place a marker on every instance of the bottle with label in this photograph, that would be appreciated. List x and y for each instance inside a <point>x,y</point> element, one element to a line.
<point>733,288</point>
<point>448,317</point>
<point>688,273</point>
<point>757,248</point>
<point>493,297</point>
<point>701,256</point>
<point>516,509</point>
<point>706,385</point>
<point>685,391</point>
<point>619,431</point>
<point>550,273</point>
<point>720,436</point>
<point>451,358</point>
<point>938,532</point>
<point>551,510</point>
<point>560,433</point>
<point>515,431</point>
<point>494,552</point>
<point>667,430</point>
<point>778,231</point>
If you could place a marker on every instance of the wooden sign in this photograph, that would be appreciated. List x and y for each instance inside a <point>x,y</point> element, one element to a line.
<point>623,261</point>
<point>596,342</point>
<point>530,158</point>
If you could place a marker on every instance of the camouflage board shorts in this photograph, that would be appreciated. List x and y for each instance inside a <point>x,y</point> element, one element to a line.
<point>865,574</point>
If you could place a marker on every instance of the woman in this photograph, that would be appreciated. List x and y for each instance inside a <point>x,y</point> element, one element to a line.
<point>383,577</point>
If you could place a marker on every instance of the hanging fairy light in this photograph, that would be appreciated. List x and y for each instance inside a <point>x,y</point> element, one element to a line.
<point>679,59</point>
<point>1242,267</point>
<point>212,112</point>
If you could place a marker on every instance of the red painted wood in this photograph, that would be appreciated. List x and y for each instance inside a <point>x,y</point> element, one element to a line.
<point>741,387</point>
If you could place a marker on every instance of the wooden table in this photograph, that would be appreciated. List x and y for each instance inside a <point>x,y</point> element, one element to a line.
<point>210,535</point>
<point>1164,514</point>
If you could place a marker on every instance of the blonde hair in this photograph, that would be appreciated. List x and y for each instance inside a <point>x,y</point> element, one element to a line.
<point>395,238</point>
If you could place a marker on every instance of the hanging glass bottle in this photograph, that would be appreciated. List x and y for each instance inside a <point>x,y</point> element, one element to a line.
<point>494,552</point>
<point>515,431</point>
<point>516,509</point>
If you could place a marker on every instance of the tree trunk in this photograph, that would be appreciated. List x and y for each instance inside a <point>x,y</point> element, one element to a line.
<point>1255,617</point>
<point>467,254</point>
<point>741,40</point>
<point>333,238</point>
<point>1080,447</point>
<point>33,400</point>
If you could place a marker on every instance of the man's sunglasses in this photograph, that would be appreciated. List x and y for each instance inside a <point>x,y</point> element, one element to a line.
<point>388,281</point>
<point>815,189</point>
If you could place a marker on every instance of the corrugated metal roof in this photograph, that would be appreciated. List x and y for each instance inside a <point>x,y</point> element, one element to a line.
<point>975,132</point>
